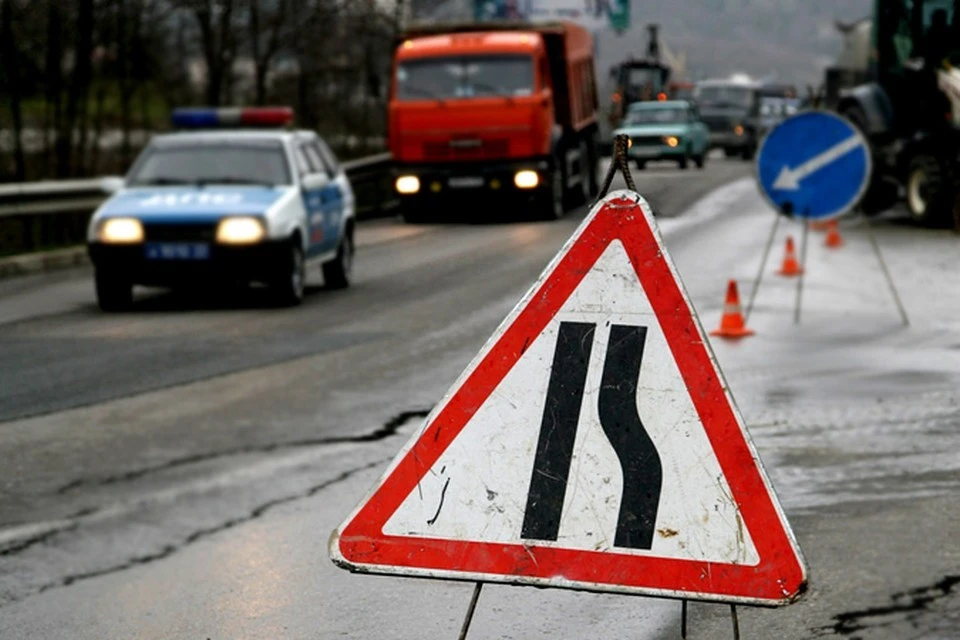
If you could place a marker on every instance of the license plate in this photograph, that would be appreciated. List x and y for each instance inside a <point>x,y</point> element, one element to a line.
<point>177,251</point>
<point>644,152</point>
<point>465,182</point>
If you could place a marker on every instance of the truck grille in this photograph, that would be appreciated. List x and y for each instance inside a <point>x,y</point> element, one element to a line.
<point>717,123</point>
<point>173,232</point>
<point>460,150</point>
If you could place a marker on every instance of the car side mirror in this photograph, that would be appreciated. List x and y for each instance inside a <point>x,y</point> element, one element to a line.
<point>111,184</point>
<point>314,181</point>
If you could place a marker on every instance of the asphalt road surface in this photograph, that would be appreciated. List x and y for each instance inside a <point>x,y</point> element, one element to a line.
<point>176,471</point>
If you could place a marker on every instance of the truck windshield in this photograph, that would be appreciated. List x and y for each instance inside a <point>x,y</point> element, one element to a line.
<point>212,163</point>
<point>641,84</point>
<point>655,116</point>
<point>735,97</point>
<point>465,77</point>
<point>921,29</point>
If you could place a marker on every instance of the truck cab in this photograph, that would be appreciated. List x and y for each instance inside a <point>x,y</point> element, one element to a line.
<point>493,113</point>
<point>908,106</point>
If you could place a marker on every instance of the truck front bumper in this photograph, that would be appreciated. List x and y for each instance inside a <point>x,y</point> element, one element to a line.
<point>472,185</point>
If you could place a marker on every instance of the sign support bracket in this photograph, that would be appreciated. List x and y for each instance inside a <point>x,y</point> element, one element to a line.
<point>465,629</point>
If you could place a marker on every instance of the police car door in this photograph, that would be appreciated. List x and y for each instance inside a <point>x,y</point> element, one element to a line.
<point>324,206</point>
<point>341,177</point>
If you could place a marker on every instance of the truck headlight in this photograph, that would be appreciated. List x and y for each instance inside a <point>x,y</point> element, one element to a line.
<point>738,130</point>
<point>240,230</point>
<point>526,179</point>
<point>408,184</point>
<point>121,231</point>
<point>671,141</point>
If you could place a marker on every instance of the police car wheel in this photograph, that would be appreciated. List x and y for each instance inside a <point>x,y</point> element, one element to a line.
<point>113,294</point>
<point>289,285</point>
<point>336,273</point>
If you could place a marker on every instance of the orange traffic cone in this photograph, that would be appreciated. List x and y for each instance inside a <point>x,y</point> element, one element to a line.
<point>834,239</point>
<point>732,324</point>
<point>790,265</point>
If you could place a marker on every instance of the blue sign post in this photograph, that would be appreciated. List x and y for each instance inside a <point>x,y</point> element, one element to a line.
<point>814,165</point>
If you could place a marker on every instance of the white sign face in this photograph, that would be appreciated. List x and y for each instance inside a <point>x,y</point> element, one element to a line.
<point>469,497</point>
<point>592,444</point>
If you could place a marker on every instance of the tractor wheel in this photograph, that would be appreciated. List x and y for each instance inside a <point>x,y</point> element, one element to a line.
<point>930,192</point>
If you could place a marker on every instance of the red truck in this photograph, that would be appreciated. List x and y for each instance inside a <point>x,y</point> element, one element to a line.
<point>494,114</point>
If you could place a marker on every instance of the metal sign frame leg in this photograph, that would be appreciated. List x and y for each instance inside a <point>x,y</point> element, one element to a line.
<point>763,267</point>
<point>803,271</point>
<point>465,629</point>
<point>886,272</point>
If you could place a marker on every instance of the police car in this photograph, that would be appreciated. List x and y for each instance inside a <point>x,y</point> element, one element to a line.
<point>231,197</point>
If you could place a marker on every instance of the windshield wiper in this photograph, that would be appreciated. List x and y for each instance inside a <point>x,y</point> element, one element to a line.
<point>158,182</point>
<point>426,93</point>
<point>492,90</point>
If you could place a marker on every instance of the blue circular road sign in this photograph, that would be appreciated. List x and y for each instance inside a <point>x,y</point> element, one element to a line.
<point>814,165</point>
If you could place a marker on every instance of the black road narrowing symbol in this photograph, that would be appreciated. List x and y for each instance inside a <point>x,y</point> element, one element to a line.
<point>617,408</point>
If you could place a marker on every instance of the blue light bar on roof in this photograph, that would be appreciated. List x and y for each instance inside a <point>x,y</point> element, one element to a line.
<point>212,117</point>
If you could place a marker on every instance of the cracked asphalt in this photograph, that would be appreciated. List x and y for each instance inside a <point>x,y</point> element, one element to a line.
<point>176,472</point>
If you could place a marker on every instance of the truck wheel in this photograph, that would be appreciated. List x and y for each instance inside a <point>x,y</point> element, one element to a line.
<point>683,162</point>
<point>929,193</point>
<point>291,273</point>
<point>411,214</point>
<point>586,175</point>
<point>336,273</point>
<point>594,160</point>
<point>641,165</point>
<point>113,292</point>
<point>552,207</point>
<point>700,160</point>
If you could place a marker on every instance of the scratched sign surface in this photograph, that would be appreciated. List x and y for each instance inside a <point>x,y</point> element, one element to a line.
<point>590,445</point>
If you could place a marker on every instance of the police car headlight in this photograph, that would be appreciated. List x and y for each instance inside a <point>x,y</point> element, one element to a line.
<point>408,184</point>
<point>121,231</point>
<point>240,230</point>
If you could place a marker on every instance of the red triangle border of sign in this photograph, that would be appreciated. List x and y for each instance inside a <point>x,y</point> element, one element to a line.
<point>778,578</point>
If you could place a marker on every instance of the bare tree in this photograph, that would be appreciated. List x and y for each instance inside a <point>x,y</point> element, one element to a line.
<point>266,30</point>
<point>79,86</point>
<point>10,66</point>
<point>215,20</point>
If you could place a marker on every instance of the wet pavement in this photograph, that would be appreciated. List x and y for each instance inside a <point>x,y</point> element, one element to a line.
<point>218,523</point>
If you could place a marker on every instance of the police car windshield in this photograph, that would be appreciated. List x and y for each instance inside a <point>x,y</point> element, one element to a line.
<point>259,163</point>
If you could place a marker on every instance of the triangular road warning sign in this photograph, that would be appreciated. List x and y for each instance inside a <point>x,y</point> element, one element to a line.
<point>592,444</point>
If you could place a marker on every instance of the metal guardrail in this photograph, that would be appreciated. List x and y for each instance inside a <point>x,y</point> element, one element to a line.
<point>54,213</point>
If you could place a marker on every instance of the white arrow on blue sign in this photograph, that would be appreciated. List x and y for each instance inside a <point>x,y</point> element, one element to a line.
<point>814,165</point>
